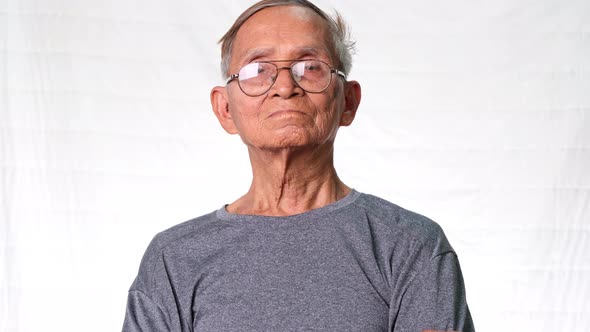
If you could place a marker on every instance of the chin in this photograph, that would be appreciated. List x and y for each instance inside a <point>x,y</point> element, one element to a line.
<point>293,146</point>
<point>288,142</point>
<point>290,138</point>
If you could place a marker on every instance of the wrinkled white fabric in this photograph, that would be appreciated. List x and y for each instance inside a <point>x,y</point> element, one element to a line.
<point>475,114</point>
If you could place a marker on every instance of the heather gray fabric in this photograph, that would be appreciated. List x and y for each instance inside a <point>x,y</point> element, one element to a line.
<point>359,264</point>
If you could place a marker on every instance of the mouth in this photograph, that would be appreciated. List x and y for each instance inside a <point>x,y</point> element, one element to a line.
<point>286,112</point>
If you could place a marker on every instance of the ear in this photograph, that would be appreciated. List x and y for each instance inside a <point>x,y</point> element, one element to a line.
<point>352,99</point>
<point>220,104</point>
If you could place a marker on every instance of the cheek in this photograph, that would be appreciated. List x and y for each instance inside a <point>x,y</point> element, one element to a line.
<point>330,113</point>
<point>245,110</point>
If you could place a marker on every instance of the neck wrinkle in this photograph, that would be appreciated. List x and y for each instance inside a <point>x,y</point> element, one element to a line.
<point>290,181</point>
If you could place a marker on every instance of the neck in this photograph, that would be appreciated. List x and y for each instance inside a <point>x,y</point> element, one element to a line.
<point>290,181</point>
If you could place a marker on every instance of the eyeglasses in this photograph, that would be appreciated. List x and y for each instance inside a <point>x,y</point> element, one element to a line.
<point>256,78</point>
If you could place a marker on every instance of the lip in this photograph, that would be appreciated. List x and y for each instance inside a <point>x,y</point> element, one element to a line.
<point>284,112</point>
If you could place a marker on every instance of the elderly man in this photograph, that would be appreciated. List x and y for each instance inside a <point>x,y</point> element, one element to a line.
<point>300,250</point>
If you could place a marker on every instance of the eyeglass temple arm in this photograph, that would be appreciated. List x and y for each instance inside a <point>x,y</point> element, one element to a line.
<point>232,77</point>
<point>338,72</point>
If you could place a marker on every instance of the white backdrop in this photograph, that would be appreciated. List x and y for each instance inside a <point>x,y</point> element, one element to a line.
<point>474,113</point>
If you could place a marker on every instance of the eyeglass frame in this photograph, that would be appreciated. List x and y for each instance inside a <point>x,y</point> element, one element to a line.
<point>333,70</point>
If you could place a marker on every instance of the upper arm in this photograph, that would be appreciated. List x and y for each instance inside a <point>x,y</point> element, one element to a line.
<point>435,298</point>
<point>143,314</point>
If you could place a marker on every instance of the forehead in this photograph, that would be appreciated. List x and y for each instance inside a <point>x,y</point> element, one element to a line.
<point>282,31</point>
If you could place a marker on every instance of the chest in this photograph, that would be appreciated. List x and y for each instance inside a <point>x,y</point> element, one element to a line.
<point>286,282</point>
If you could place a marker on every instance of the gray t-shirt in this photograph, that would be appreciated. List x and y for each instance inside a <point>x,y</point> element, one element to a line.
<point>359,264</point>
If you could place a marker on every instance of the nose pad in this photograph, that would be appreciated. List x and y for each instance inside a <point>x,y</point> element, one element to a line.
<point>288,70</point>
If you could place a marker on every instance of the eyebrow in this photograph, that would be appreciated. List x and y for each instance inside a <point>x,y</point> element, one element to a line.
<point>300,51</point>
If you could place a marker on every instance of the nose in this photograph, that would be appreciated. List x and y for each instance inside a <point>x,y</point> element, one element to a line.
<point>284,85</point>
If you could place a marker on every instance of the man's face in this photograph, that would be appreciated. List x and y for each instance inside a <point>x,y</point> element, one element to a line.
<point>286,116</point>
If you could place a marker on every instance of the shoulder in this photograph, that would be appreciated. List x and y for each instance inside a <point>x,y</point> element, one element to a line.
<point>171,242</point>
<point>403,223</point>
<point>184,231</point>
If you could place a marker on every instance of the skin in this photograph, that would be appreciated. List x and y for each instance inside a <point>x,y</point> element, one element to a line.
<point>289,133</point>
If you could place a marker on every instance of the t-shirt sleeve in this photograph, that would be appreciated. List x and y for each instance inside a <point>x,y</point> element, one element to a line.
<point>435,298</point>
<point>143,314</point>
<point>152,304</point>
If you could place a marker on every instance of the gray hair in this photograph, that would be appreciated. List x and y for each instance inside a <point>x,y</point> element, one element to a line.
<point>343,45</point>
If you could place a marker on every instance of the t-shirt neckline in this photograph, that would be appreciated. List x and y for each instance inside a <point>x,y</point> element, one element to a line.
<point>223,214</point>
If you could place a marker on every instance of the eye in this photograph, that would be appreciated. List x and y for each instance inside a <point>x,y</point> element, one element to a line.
<point>249,71</point>
<point>255,70</point>
<point>311,70</point>
<point>312,66</point>
<point>264,69</point>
